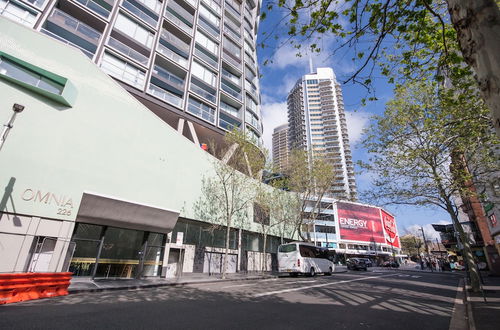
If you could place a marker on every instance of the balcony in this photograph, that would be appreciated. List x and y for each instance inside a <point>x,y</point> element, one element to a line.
<point>72,30</point>
<point>179,12</point>
<point>165,95</point>
<point>206,56</point>
<point>95,7</point>
<point>229,7</point>
<point>228,123</point>
<point>152,20</point>
<point>210,28</point>
<point>231,90</point>
<point>231,33</point>
<point>179,44</point>
<point>250,88</point>
<point>126,50</point>
<point>55,36</point>
<point>229,109</point>
<point>203,90</point>
<point>171,55</point>
<point>167,80</point>
<point>231,59</point>
<point>231,77</point>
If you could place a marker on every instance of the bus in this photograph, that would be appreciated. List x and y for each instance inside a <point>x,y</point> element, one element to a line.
<point>304,258</point>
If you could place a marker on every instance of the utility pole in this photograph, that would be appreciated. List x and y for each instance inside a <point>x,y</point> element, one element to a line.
<point>426,247</point>
<point>16,108</point>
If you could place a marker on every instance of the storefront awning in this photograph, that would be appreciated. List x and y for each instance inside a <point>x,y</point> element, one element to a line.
<point>108,211</point>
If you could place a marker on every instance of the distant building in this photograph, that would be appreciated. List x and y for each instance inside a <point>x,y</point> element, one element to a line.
<point>353,230</point>
<point>280,147</point>
<point>317,123</point>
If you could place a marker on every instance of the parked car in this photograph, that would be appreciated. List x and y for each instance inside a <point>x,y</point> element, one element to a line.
<point>391,264</point>
<point>368,262</point>
<point>356,264</point>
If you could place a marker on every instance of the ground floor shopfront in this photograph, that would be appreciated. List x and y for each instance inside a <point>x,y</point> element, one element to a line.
<point>104,251</point>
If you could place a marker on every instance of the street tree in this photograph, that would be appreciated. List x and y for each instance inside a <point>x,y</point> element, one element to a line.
<point>311,176</point>
<point>411,245</point>
<point>229,191</point>
<point>407,38</point>
<point>412,146</point>
<point>276,211</point>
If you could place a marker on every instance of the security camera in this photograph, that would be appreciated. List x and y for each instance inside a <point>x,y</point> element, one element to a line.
<point>18,107</point>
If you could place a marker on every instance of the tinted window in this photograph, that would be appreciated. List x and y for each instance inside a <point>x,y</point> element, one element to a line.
<point>307,251</point>
<point>288,248</point>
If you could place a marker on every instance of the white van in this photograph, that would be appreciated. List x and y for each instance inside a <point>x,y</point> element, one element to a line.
<point>304,258</point>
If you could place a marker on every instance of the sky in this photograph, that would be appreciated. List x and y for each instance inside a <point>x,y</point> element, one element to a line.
<point>282,71</point>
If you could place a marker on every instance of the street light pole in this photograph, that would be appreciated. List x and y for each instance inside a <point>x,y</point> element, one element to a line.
<point>16,108</point>
<point>426,247</point>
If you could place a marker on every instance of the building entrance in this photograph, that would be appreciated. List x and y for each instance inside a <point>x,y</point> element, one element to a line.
<point>103,252</point>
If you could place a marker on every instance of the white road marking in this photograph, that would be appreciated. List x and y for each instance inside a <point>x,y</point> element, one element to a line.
<point>316,286</point>
<point>237,285</point>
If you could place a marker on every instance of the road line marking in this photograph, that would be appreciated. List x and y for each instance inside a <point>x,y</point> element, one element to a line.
<point>316,286</point>
<point>237,285</point>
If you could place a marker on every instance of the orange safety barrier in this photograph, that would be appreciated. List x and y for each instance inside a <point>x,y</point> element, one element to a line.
<point>27,286</point>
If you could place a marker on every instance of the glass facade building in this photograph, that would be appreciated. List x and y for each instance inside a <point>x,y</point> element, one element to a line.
<point>192,62</point>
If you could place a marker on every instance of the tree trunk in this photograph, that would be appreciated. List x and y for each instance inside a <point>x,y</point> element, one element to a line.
<point>264,265</point>
<point>477,23</point>
<point>228,235</point>
<point>469,257</point>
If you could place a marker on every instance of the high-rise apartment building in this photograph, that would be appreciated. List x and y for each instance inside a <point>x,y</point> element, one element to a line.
<point>317,123</point>
<point>192,62</point>
<point>280,147</point>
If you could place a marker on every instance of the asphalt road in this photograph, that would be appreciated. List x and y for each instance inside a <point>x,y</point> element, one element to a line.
<point>354,300</point>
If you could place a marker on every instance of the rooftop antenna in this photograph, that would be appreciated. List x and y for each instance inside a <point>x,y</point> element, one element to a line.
<point>311,69</point>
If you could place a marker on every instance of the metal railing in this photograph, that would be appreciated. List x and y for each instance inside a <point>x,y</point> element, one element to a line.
<point>168,53</point>
<point>165,95</point>
<point>71,24</point>
<point>139,13</point>
<point>61,39</point>
<point>126,50</point>
<point>95,7</point>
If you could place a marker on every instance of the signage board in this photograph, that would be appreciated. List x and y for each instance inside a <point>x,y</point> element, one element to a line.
<point>360,223</point>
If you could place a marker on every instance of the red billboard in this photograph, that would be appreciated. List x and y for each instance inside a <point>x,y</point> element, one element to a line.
<point>360,223</point>
<point>390,230</point>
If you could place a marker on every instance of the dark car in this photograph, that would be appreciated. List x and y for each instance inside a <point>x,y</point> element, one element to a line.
<point>356,264</point>
<point>367,261</point>
<point>391,264</point>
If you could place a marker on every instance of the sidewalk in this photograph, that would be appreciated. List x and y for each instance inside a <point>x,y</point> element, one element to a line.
<point>85,284</point>
<point>486,315</point>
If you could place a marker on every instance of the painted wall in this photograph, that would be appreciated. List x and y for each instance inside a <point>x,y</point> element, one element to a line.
<point>106,143</point>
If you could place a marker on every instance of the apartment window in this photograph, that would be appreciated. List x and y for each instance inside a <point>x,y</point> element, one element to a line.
<point>214,5</point>
<point>15,71</point>
<point>17,12</point>
<point>134,30</point>
<point>325,229</point>
<point>37,3</point>
<point>204,74</point>
<point>122,70</point>
<point>232,48</point>
<point>209,15</point>
<point>312,82</point>
<point>229,109</point>
<point>206,42</point>
<point>201,109</point>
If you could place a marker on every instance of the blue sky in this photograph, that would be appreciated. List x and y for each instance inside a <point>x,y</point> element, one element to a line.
<point>286,68</point>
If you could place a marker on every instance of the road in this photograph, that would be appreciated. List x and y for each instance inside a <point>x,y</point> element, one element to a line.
<point>353,300</point>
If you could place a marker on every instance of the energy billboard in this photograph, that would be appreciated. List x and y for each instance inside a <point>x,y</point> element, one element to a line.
<point>390,230</point>
<point>360,223</point>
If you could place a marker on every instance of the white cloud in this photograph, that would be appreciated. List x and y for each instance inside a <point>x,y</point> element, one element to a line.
<point>273,114</point>
<point>430,233</point>
<point>356,122</point>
